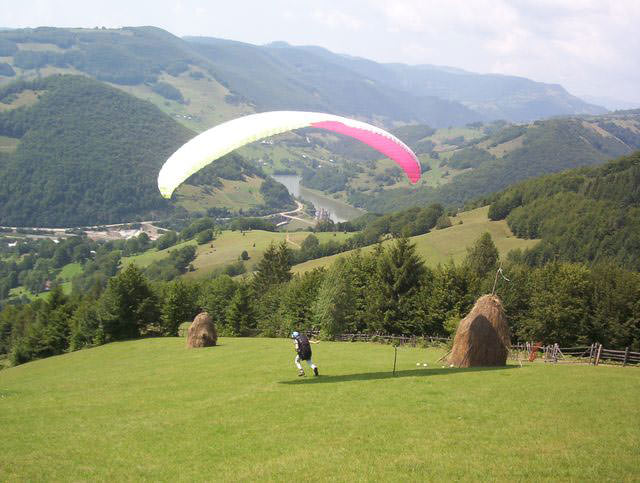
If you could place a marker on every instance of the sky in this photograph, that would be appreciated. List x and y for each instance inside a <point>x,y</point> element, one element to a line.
<point>591,47</point>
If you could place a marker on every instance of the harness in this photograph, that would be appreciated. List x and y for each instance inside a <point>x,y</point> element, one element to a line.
<point>304,347</point>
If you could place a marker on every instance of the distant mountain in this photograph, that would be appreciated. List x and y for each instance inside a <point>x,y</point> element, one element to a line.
<point>273,78</point>
<point>328,76</point>
<point>492,96</point>
<point>202,81</point>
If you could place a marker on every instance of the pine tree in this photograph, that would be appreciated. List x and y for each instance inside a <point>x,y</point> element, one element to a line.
<point>128,305</point>
<point>482,257</point>
<point>215,297</point>
<point>240,314</point>
<point>179,305</point>
<point>333,307</point>
<point>399,273</point>
<point>274,268</point>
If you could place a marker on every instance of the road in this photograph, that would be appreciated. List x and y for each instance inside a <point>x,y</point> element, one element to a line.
<point>300,208</point>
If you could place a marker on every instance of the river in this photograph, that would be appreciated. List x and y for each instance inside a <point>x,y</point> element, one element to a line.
<point>338,210</point>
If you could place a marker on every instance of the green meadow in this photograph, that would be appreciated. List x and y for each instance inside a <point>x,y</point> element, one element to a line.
<point>228,247</point>
<point>149,410</point>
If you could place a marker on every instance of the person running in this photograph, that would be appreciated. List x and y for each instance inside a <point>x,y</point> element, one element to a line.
<point>303,353</point>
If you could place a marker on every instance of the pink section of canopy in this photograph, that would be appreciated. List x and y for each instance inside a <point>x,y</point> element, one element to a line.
<point>400,154</point>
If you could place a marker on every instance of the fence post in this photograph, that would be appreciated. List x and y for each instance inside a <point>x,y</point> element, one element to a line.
<point>598,355</point>
<point>626,356</point>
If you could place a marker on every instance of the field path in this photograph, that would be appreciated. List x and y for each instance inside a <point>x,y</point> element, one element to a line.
<point>292,242</point>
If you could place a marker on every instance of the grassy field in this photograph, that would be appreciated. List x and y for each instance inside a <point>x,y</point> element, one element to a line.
<point>227,248</point>
<point>69,271</point>
<point>204,105</point>
<point>442,135</point>
<point>66,274</point>
<point>152,410</point>
<point>24,99</point>
<point>440,246</point>
<point>233,195</point>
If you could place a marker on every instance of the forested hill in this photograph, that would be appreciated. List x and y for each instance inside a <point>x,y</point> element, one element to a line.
<point>87,154</point>
<point>588,214</point>
<point>493,162</point>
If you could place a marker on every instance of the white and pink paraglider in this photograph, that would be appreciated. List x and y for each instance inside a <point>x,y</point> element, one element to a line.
<point>228,136</point>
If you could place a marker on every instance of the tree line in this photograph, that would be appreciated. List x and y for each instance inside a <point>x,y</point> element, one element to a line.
<point>588,214</point>
<point>387,289</point>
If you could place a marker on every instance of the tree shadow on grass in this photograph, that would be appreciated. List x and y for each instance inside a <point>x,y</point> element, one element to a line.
<point>369,376</point>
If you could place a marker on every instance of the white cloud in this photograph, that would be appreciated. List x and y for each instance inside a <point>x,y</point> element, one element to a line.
<point>337,19</point>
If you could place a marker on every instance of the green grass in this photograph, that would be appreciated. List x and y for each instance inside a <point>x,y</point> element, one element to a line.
<point>204,105</point>
<point>153,410</point>
<point>8,145</point>
<point>147,258</point>
<point>20,291</point>
<point>440,246</point>
<point>441,135</point>
<point>69,271</point>
<point>227,249</point>
<point>25,98</point>
<point>233,195</point>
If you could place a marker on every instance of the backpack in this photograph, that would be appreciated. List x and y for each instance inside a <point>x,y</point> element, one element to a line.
<point>304,347</point>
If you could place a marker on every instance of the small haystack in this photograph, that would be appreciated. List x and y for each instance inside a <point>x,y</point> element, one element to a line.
<point>202,331</point>
<point>482,338</point>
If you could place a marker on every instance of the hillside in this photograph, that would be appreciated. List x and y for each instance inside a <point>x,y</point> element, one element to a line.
<point>87,154</point>
<point>589,214</point>
<point>79,152</point>
<point>202,81</point>
<point>442,246</point>
<point>152,410</point>
<point>147,62</point>
<point>476,166</point>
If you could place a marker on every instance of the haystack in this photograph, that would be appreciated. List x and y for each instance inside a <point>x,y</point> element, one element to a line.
<point>482,338</point>
<point>202,331</point>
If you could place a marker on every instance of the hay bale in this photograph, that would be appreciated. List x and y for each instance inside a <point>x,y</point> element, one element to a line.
<point>482,338</point>
<point>202,331</point>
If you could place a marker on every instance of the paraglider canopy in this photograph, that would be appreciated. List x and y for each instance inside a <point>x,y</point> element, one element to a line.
<point>224,138</point>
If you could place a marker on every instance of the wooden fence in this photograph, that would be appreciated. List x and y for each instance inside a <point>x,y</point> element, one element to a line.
<point>412,341</point>
<point>593,354</point>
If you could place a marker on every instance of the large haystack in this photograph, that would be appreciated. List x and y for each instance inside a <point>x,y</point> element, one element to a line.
<point>482,338</point>
<point>202,331</point>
